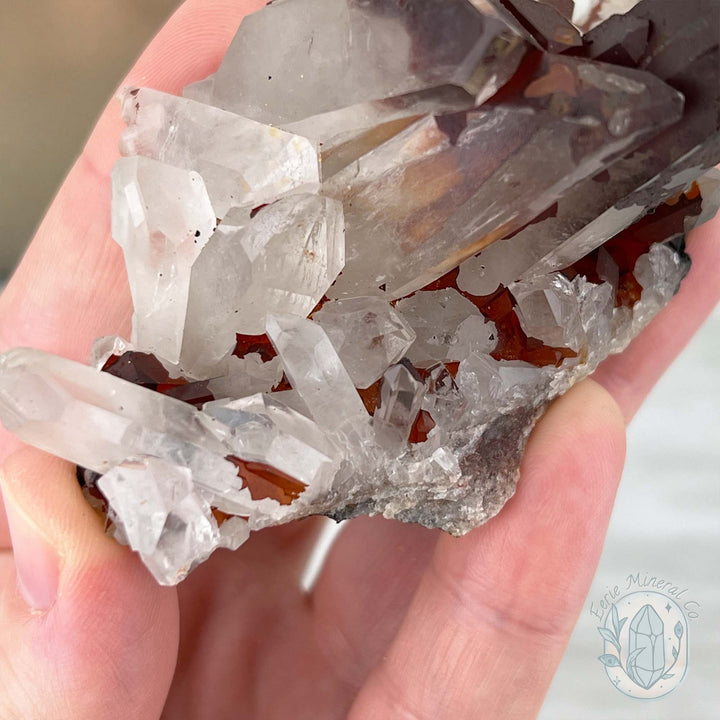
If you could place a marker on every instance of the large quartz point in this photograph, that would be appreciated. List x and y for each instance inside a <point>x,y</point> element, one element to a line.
<point>500,204</point>
<point>162,218</point>
<point>678,42</point>
<point>242,162</point>
<point>280,258</point>
<point>492,169</point>
<point>344,53</point>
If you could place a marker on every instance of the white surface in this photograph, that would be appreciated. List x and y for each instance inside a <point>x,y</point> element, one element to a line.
<point>666,522</point>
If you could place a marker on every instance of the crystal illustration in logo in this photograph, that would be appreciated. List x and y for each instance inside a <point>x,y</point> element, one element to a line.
<point>645,654</point>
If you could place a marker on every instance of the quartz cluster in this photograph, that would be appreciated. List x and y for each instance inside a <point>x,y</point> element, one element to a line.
<point>366,254</point>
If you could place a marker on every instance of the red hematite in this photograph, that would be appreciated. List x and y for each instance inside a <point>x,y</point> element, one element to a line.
<point>421,427</point>
<point>264,481</point>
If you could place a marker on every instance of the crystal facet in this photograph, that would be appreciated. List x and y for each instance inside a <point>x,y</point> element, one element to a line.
<point>242,162</point>
<point>368,334</point>
<point>280,259</point>
<point>162,218</point>
<point>348,52</point>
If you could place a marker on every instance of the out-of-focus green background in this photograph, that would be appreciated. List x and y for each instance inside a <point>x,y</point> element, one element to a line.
<point>60,62</point>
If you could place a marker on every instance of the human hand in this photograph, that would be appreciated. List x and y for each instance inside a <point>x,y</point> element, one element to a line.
<point>402,623</point>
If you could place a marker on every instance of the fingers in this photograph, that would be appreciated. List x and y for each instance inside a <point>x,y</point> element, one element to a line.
<point>493,612</point>
<point>85,631</point>
<point>364,591</point>
<point>630,376</point>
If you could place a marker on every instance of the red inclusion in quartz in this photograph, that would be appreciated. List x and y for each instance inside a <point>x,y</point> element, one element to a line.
<point>260,344</point>
<point>421,427</point>
<point>265,481</point>
<point>627,246</point>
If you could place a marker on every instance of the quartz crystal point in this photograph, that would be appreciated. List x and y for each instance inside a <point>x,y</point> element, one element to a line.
<point>401,396</point>
<point>343,53</point>
<point>548,309</point>
<point>264,430</point>
<point>162,218</point>
<point>368,334</point>
<point>501,205</point>
<point>280,258</point>
<point>682,49</point>
<point>242,162</point>
<point>317,373</point>
<point>98,421</point>
<point>495,177</point>
<point>142,494</point>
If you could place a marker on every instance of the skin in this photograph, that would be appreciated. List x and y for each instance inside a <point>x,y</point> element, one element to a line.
<point>403,622</point>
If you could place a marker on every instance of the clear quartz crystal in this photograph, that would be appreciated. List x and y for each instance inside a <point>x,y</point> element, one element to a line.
<point>242,162</point>
<point>401,397</point>
<point>368,334</point>
<point>317,373</point>
<point>189,537</point>
<point>443,399</point>
<point>98,421</point>
<point>262,429</point>
<point>494,170</point>
<point>246,376</point>
<point>162,218</point>
<point>345,52</point>
<point>436,316</point>
<point>280,259</point>
<point>548,310</point>
<point>142,493</point>
<point>310,307</point>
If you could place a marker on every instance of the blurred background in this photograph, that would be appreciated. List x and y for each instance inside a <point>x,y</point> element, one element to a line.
<point>60,62</point>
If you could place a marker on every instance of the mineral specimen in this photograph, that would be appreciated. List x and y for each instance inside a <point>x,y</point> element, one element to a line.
<point>365,258</point>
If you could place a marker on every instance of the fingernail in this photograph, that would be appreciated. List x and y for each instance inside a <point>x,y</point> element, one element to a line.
<point>37,564</point>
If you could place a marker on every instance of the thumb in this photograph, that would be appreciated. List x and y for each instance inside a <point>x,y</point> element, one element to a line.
<point>85,632</point>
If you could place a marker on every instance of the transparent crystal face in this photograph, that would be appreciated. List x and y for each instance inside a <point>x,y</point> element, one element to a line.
<point>361,269</point>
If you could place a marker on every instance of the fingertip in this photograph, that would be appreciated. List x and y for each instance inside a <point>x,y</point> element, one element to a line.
<point>584,426</point>
<point>45,490</point>
<point>85,606</point>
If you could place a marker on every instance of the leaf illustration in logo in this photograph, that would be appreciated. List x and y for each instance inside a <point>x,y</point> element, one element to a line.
<point>678,630</point>
<point>607,635</point>
<point>620,627</point>
<point>675,653</point>
<point>633,655</point>
<point>615,621</point>
<point>667,676</point>
<point>609,660</point>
